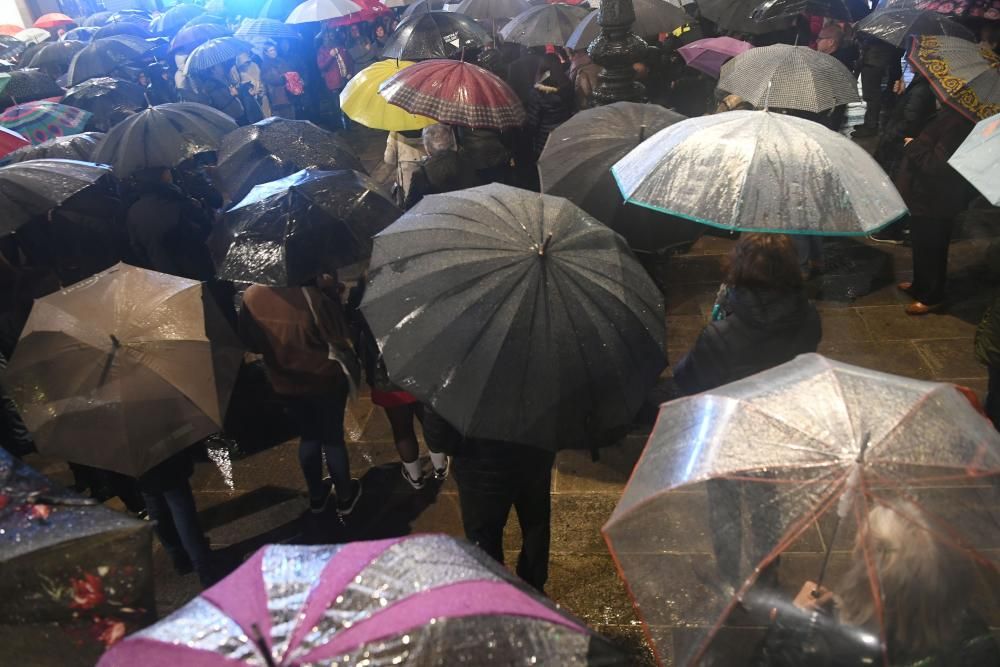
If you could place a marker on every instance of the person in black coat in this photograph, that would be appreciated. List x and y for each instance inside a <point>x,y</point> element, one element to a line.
<point>550,103</point>
<point>879,62</point>
<point>915,108</point>
<point>522,73</point>
<point>444,170</point>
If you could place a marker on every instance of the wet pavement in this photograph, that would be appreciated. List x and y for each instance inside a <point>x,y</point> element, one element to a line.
<point>863,323</point>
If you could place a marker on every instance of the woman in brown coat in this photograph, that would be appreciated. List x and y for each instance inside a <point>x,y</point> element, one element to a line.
<point>273,73</point>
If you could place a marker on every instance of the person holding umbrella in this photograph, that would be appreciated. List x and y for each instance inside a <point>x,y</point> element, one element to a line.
<point>336,67</point>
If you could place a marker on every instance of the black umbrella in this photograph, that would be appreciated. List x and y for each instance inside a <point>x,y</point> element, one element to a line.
<point>289,231</point>
<point>190,37</point>
<point>55,54</point>
<point>434,35</point>
<point>29,52</point>
<point>28,85</point>
<point>10,48</point>
<point>172,20</point>
<point>545,24</point>
<point>79,572</point>
<point>135,16</point>
<point>110,100</point>
<point>96,20</point>
<point>33,188</point>
<point>205,19</point>
<point>274,148</point>
<point>72,147</point>
<point>122,28</point>
<point>895,25</point>
<point>516,316</point>
<point>101,58</point>
<point>425,6</point>
<point>163,136</point>
<point>82,34</point>
<point>772,9</point>
<point>736,16</point>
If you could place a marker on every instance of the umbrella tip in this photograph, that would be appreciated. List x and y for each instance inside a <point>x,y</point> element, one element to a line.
<point>545,245</point>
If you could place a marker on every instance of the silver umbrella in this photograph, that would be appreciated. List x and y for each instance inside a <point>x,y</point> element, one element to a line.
<point>547,24</point>
<point>760,171</point>
<point>789,77</point>
<point>978,158</point>
<point>895,25</point>
<point>491,10</point>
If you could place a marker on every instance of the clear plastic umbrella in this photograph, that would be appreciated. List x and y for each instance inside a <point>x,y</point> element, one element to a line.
<point>760,171</point>
<point>978,158</point>
<point>877,490</point>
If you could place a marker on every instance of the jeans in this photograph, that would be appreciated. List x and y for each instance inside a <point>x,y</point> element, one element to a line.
<point>321,424</point>
<point>492,478</point>
<point>177,527</point>
<point>930,239</point>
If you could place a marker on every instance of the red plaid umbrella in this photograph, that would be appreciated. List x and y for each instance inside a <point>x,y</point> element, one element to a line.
<point>370,11</point>
<point>10,141</point>
<point>456,93</point>
<point>53,21</point>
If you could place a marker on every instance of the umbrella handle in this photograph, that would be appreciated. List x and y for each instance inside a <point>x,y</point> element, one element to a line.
<point>265,651</point>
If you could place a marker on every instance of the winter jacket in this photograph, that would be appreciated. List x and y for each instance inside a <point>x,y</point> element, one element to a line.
<point>363,53</point>
<point>482,148</point>
<point>910,115</point>
<point>167,231</point>
<point>583,73</point>
<point>273,75</point>
<point>521,75</point>
<point>928,184</point>
<point>446,171</point>
<point>762,329</point>
<point>335,66</point>
<point>548,108</point>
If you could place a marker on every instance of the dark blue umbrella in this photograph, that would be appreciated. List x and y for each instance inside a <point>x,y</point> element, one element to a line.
<point>193,36</point>
<point>172,20</point>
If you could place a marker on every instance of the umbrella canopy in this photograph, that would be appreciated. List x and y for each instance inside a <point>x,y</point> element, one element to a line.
<point>204,19</point>
<point>172,20</point>
<point>362,103</point>
<point>11,141</point>
<point>964,75</point>
<point>736,16</point>
<point>371,10</point>
<point>10,29</point>
<point>439,600</point>
<point>978,158</point>
<point>70,563</point>
<point>576,163</point>
<point>456,93</point>
<point>896,25</point>
<point>290,231</point>
<point>33,188</point>
<point>33,35</point>
<point>191,37</point>
<point>789,77</point>
<point>54,20</point>
<point>82,34</point>
<point>97,19</point>
<point>274,148</point>
<point>277,9</point>
<point>760,171</point>
<point>100,58</point>
<point>11,48</point>
<point>41,121</point>
<point>71,147</point>
<point>55,54</point>
<point>124,369</point>
<point>516,316</point>
<point>774,9</point>
<point>27,85</point>
<point>215,52</point>
<point>258,30</point>
<point>491,10</point>
<point>980,9</point>
<point>434,35</point>
<point>163,136</point>
<point>123,28</point>
<point>423,7</point>
<point>825,456</point>
<point>710,54</point>
<point>109,100</point>
<point>545,24</point>
<point>322,10</point>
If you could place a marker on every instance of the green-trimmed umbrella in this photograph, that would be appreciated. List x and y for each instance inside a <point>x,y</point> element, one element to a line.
<point>41,121</point>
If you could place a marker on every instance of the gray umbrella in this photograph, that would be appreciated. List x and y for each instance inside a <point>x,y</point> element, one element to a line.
<point>737,16</point>
<point>978,158</point>
<point>491,10</point>
<point>789,77</point>
<point>763,172</point>
<point>547,24</point>
<point>895,25</point>
<point>651,18</point>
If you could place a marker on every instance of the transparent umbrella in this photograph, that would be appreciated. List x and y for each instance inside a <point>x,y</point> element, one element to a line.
<point>876,491</point>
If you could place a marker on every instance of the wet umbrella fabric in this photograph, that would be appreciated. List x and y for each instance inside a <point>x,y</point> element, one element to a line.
<point>11,141</point>
<point>72,147</point>
<point>124,369</point>
<point>456,93</point>
<point>516,316</point>
<point>11,48</point>
<point>110,100</point>
<point>760,171</point>
<point>576,163</point>
<point>361,102</point>
<point>735,16</point>
<point>27,85</point>
<point>896,25</point>
<point>439,600</point>
<point>163,136</point>
<point>256,30</point>
<point>434,35</point>
<point>33,188</point>
<point>808,445</point>
<point>312,11</point>
<point>274,148</point>
<point>423,7</point>
<point>172,20</point>
<point>710,54</point>
<point>41,121</point>
<point>963,75</point>
<point>100,58</point>
<point>545,24</point>
<point>53,20</point>
<point>96,20</point>
<point>776,9</point>
<point>56,54</point>
<point>290,231</point>
<point>70,563</point>
<point>789,77</point>
<point>187,39</point>
<point>215,52</point>
<point>122,29</point>
<point>33,36</point>
<point>491,10</point>
<point>978,158</point>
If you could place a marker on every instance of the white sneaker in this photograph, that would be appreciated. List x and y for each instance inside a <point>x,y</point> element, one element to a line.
<point>415,483</point>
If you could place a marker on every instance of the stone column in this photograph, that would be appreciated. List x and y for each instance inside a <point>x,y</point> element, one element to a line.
<point>615,49</point>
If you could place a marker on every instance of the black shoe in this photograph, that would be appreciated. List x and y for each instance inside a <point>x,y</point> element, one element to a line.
<point>318,505</point>
<point>346,506</point>
<point>182,564</point>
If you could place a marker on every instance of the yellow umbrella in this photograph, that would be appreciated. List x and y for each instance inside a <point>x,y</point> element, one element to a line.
<point>362,103</point>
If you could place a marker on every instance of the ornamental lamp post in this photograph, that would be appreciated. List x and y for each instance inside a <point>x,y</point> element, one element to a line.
<point>616,49</point>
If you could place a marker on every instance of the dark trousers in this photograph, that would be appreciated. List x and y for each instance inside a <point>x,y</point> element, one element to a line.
<point>329,109</point>
<point>871,92</point>
<point>176,519</point>
<point>321,425</point>
<point>930,239</point>
<point>992,406</point>
<point>490,483</point>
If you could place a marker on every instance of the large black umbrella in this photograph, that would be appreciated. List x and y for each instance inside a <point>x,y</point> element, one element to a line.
<point>172,20</point>
<point>545,24</point>
<point>75,573</point>
<point>27,85</point>
<point>516,316</point>
<point>434,35</point>
<point>122,28</point>
<point>163,136</point>
<point>193,36</point>
<point>289,231</point>
<point>32,188</point>
<point>424,6</point>
<point>895,25</point>
<point>215,52</point>
<point>55,54</point>
<point>96,20</point>
<point>99,59</point>
<point>736,16</point>
<point>11,48</point>
<point>82,34</point>
<point>110,100</point>
<point>772,9</point>
<point>71,147</point>
<point>274,148</point>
